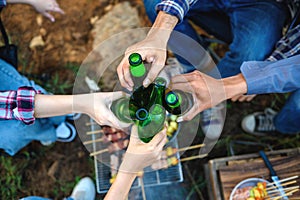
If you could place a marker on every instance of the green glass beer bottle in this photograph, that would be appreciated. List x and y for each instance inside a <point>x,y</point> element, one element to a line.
<point>153,122</point>
<point>120,108</point>
<point>178,102</point>
<point>137,69</point>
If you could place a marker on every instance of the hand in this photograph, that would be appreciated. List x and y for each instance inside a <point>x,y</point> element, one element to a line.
<point>46,6</point>
<point>242,98</point>
<point>100,110</point>
<point>153,51</point>
<point>139,154</point>
<point>207,91</point>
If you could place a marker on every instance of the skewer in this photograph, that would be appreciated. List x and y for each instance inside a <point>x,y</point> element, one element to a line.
<point>285,189</point>
<point>90,123</point>
<point>191,147</point>
<point>98,152</point>
<point>114,137</point>
<point>116,146</point>
<point>94,132</point>
<point>193,157</point>
<point>92,141</point>
<point>283,184</point>
<point>283,180</point>
<point>287,194</point>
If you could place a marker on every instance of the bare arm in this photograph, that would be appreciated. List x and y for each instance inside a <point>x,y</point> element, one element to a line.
<point>96,105</point>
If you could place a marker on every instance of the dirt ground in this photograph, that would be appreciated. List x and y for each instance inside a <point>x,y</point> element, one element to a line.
<point>52,171</point>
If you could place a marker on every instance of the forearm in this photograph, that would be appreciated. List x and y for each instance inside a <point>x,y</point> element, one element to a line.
<point>163,25</point>
<point>55,105</point>
<point>121,186</point>
<point>235,85</point>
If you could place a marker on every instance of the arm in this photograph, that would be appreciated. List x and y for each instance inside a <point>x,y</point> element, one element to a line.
<point>257,77</point>
<point>138,156</point>
<point>26,104</point>
<point>96,105</point>
<point>42,6</point>
<point>272,77</point>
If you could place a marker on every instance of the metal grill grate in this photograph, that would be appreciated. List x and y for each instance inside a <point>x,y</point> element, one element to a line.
<point>150,178</point>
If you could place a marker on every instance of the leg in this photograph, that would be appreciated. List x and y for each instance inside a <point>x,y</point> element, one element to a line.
<point>12,80</point>
<point>256,28</point>
<point>287,120</point>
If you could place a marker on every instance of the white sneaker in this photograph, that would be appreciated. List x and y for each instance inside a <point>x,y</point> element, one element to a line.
<point>260,123</point>
<point>212,121</point>
<point>65,132</point>
<point>84,190</point>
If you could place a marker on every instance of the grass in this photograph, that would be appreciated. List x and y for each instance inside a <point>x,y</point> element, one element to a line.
<point>11,176</point>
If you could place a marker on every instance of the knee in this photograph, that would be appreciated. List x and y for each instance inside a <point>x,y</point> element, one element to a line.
<point>150,6</point>
<point>295,98</point>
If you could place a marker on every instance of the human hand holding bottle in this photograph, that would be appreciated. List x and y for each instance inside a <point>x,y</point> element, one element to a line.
<point>152,49</point>
<point>207,91</point>
<point>139,154</point>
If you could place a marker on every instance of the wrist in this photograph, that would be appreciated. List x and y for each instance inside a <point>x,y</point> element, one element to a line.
<point>163,26</point>
<point>82,103</point>
<point>235,85</point>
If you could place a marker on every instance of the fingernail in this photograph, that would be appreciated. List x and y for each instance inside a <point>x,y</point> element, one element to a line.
<point>146,82</point>
<point>179,119</point>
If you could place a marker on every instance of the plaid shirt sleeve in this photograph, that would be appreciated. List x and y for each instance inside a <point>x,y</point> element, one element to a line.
<point>178,8</point>
<point>287,46</point>
<point>18,104</point>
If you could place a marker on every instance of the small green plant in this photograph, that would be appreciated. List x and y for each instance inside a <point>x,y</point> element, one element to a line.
<point>10,177</point>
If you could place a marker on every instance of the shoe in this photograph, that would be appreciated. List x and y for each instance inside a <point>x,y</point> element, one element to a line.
<point>73,116</point>
<point>84,190</point>
<point>65,132</point>
<point>260,123</point>
<point>212,121</point>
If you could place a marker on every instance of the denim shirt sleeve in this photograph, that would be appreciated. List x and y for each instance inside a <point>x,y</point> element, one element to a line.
<point>178,8</point>
<point>272,77</point>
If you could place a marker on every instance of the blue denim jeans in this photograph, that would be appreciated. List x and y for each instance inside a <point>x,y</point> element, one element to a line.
<point>287,121</point>
<point>252,28</point>
<point>42,198</point>
<point>15,134</point>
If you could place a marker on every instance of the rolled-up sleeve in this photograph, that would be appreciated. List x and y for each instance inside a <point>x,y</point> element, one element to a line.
<point>18,104</point>
<point>178,8</point>
<point>272,77</point>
